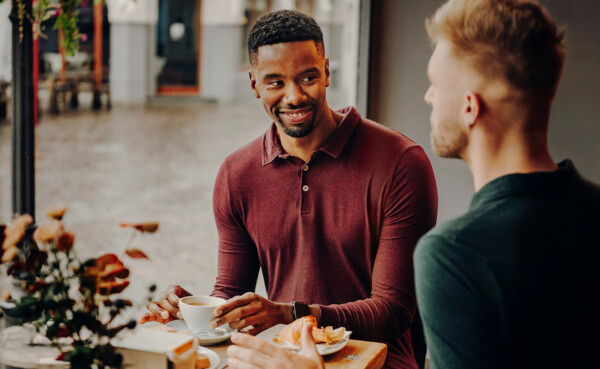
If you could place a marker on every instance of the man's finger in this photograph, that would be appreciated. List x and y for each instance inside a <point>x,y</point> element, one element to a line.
<point>155,309</point>
<point>256,329</point>
<point>240,317</point>
<point>247,355</point>
<point>147,318</point>
<point>309,349</point>
<point>169,307</point>
<point>254,343</point>
<point>178,291</point>
<point>234,303</point>
<point>240,364</point>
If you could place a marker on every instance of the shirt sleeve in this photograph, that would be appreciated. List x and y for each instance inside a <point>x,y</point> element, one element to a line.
<point>238,264</point>
<point>409,211</point>
<point>456,293</point>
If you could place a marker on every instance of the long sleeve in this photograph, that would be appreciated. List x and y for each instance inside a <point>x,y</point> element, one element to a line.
<point>409,210</point>
<point>238,259</point>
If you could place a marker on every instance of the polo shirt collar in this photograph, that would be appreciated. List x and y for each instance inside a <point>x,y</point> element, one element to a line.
<point>519,184</point>
<point>272,145</point>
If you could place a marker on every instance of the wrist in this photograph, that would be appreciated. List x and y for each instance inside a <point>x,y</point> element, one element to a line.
<point>315,311</point>
<point>287,313</point>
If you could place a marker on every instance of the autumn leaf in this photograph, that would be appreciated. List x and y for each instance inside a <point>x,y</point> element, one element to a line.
<point>136,254</point>
<point>149,227</point>
<point>16,230</point>
<point>48,232</point>
<point>9,254</point>
<point>105,260</point>
<point>112,271</point>
<point>110,287</point>
<point>57,212</point>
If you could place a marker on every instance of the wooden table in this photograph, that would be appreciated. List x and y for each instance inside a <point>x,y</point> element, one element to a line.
<point>16,351</point>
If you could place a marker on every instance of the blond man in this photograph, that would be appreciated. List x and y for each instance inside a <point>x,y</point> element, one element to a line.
<point>513,283</point>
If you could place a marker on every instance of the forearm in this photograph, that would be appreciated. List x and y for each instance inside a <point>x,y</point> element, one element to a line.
<point>373,319</point>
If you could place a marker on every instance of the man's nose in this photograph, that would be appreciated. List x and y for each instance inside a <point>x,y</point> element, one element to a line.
<point>294,95</point>
<point>427,96</point>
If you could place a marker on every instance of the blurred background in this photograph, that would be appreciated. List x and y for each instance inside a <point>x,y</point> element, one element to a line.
<point>134,126</point>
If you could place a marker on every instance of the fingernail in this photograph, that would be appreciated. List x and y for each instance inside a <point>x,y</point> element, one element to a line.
<point>164,314</point>
<point>179,315</point>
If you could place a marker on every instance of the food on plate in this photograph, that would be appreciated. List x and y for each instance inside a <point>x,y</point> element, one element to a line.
<point>202,361</point>
<point>293,332</point>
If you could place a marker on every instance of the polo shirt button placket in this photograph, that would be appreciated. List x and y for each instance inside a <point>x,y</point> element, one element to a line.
<point>304,200</point>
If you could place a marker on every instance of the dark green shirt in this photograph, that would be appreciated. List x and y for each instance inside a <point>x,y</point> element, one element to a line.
<point>515,282</point>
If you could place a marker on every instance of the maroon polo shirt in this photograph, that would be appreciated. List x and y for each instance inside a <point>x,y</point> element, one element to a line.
<point>338,231</point>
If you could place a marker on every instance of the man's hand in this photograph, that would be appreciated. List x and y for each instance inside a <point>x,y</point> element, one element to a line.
<point>251,353</point>
<point>166,307</point>
<point>252,310</point>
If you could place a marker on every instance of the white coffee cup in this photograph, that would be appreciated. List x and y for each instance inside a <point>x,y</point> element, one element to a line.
<point>198,311</point>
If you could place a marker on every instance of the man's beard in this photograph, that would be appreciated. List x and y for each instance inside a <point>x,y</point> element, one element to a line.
<point>306,128</point>
<point>450,140</point>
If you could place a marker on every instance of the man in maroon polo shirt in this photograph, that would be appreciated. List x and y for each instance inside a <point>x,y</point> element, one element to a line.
<point>328,204</point>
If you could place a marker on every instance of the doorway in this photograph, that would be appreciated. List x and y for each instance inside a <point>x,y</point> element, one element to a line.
<point>178,47</point>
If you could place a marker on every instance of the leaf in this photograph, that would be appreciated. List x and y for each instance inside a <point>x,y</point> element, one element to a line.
<point>136,254</point>
<point>149,227</point>
<point>57,212</point>
<point>10,254</point>
<point>48,232</point>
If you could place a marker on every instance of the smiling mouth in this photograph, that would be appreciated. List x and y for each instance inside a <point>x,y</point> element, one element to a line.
<point>297,116</point>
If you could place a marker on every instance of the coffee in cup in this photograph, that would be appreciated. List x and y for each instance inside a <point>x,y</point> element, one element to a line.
<point>198,311</point>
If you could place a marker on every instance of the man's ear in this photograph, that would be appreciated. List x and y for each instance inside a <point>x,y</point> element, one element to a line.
<point>253,84</point>
<point>472,108</point>
<point>327,73</point>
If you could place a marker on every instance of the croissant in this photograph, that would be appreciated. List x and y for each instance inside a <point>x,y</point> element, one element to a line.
<point>293,332</point>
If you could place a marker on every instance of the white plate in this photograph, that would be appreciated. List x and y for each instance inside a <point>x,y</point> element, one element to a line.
<point>323,348</point>
<point>212,356</point>
<point>222,333</point>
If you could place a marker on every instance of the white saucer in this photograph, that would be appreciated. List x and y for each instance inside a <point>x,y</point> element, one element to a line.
<point>220,334</point>
<point>212,356</point>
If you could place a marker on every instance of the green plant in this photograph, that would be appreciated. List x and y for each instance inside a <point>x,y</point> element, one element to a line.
<point>66,21</point>
<point>71,302</point>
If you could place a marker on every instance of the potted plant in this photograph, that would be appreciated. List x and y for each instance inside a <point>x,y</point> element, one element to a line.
<point>72,303</point>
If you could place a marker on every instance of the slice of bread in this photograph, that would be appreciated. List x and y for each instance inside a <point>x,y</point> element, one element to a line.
<point>202,361</point>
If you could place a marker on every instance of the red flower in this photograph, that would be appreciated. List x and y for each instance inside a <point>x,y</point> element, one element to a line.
<point>65,241</point>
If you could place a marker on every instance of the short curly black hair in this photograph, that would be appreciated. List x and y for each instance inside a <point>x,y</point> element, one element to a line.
<point>282,26</point>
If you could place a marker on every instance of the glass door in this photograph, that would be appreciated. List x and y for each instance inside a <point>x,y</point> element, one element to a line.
<point>178,45</point>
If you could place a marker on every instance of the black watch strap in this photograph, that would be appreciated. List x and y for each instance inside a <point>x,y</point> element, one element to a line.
<point>300,309</point>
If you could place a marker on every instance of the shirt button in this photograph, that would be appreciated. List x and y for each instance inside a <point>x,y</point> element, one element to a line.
<point>305,188</point>
<point>305,168</point>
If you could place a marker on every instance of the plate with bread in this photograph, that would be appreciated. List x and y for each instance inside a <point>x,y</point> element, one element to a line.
<point>328,339</point>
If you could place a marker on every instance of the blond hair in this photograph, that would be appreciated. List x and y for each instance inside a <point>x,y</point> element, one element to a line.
<point>513,39</point>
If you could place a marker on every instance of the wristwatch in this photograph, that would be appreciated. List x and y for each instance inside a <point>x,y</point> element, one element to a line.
<point>299,309</point>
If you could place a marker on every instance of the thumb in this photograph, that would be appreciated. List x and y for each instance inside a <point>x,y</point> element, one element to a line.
<point>309,349</point>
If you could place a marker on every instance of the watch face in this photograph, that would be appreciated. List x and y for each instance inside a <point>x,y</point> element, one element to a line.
<point>300,309</point>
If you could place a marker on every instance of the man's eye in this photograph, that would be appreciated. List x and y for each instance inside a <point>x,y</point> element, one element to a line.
<point>274,83</point>
<point>309,79</point>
